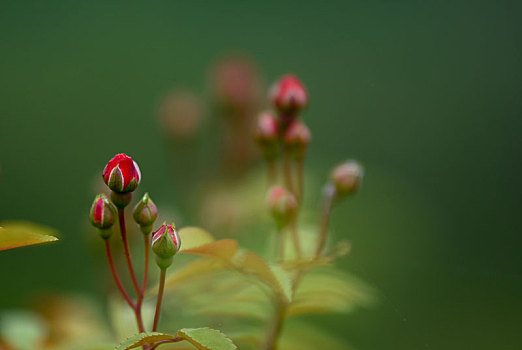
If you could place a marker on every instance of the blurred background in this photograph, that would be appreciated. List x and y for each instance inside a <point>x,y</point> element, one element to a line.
<point>427,94</point>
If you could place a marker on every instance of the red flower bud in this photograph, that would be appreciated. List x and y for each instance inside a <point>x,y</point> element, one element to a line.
<point>288,95</point>
<point>165,244</point>
<point>267,134</point>
<point>145,213</point>
<point>297,137</point>
<point>347,177</point>
<point>282,205</point>
<point>102,215</point>
<point>122,174</point>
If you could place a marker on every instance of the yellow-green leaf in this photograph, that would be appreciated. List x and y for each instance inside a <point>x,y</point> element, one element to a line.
<point>223,249</point>
<point>14,234</point>
<point>192,237</point>
<point>141,339</point>
<point>193,270</point>
<point>207,339</point>
<point>274,276</point>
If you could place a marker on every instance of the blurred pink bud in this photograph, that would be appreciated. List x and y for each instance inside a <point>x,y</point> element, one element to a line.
<point>282,205</point>
<point>181,114</point>
<point>288,95</point>
<point>122,174</point>
<point>267,134</point>
<point>236,81</point>
<point>347,177</point>
<point>297,137</point>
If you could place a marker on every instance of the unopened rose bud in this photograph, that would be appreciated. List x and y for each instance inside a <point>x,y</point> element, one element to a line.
<point>297,137</point>
<point>347,177</point>
<point>145,213</point>
<point>288,95</point>
<point>122,174</point>
<point>267,134</point>
<point>102,215</point>
<point>282,205</point>
<point>165,244</point>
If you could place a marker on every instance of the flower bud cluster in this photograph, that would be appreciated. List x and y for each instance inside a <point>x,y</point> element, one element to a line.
<point>122,175</point>
<point>289,97</point>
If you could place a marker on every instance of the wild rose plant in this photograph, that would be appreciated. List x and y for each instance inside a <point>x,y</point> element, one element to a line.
<point>211,293</point>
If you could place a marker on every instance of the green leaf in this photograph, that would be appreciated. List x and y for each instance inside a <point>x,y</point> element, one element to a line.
<point>192,237</point>
<point>141,339</point>
<point>14,234</point>
<point>207,339</point>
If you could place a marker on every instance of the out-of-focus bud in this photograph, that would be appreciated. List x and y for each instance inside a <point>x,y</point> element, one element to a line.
<point>288,95</point>
<point>267,134</point>
<point>102,215</point>
<point>122,174</point>
<point>347,177</point>
<point>145,213</point>
<point>297,137</point>
<point>236,82</point>
<point>181,114</point>
<point>282,205</point>
<point>165,244</point>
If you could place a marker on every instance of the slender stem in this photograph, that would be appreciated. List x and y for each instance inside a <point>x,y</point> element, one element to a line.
<point>271,169</point>
<point>295,238</point>
<point>280,245</point>
<point>121,214</point>
<point>330,196</point>
<point>175,340</point>
<point>276,326</point>
<point>287,170</point>
<point>300,181</point>
<point>146,242</point>
<point>160,298</point>
<point>115,275</point>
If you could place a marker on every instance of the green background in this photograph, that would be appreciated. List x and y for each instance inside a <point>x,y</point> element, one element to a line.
<point>426,93</point>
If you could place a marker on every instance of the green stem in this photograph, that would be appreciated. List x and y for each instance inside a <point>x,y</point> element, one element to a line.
<point>271,169</point>
<point>159,300</point>
<point>276,326</point>
<point>330,196</point>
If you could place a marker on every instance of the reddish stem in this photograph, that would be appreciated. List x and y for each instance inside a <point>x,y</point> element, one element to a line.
<point>115,275</point>
<point>166,341</point>
<point>160,298</point>
<point>128,259</point>
<point>146,241</point>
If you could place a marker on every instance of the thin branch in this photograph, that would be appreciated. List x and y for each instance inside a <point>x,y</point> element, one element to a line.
<point>159,300</point>
<point>128,259</point>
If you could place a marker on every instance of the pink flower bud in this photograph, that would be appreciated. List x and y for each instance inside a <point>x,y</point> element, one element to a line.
<point>122,174</point>
<point>282,205</point>
<point>267,134</point>
<point>347,177</point>
<point>288,95</point>
<point>165,244</point>
<point>145,213</point>
<point>102,214</point>
<point>297,137</point>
